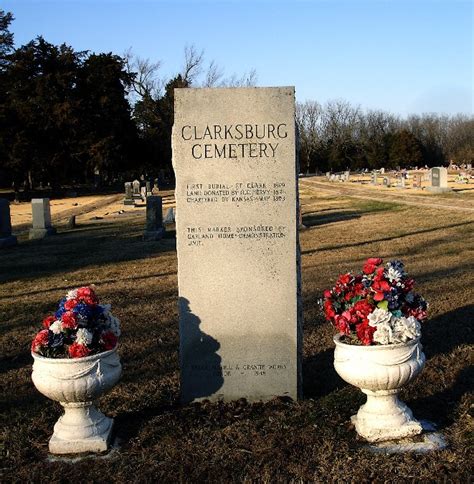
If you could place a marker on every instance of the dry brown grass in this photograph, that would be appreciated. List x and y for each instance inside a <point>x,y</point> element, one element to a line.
<point>278,441</point>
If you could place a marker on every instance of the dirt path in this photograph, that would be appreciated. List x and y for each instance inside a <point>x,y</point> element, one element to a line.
<point>462,204</point>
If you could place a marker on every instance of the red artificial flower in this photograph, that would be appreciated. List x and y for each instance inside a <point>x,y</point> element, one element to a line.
<point>329,310</point>
<point>380,286</point>
<point>371,264</point>
<point>327,293</point>
<point>379,272</point>
<point>363,308</point>
<point>77,350</point>
<point>409,283</point>
<point>342,325</point>
<point>41,339</point>
<point>376,261</point>
<point>109,340</point>
<point>48,321</point>
<point>365,333</point>
<point>68,320</point>
<point>417,313</point>
<point>88,295</point>
<point>70,304</point>
<point>344,279</point>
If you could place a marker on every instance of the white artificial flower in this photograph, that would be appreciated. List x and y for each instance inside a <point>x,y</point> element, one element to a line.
<point>55,327</point>
<point>379,316</point>
<point>83,337</point>
<point>383,334</point>
<point>405,329</point>
<point>393,274</point>
<point>71,294</point>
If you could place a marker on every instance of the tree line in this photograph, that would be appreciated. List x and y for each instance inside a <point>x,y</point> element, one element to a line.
<point>67,116</point>
<point>339,136</point>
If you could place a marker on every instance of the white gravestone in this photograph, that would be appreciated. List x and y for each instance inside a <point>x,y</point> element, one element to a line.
<point>237,241</point>
<point>41,219</point>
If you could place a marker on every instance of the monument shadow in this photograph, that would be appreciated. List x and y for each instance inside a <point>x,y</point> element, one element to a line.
<point>201,370</point>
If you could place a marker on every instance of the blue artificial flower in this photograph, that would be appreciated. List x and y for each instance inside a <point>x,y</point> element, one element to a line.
<point>61,308</point>
<point>82,311</point>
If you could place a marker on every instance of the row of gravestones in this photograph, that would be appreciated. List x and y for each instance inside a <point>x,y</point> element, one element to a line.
<point>41,221</point>
<point>42,227</point>
<point>135,190</point>
<point>437,175</point>
<point>343,177</point>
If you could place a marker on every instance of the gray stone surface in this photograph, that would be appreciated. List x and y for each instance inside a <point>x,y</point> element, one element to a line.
<point>169,217</point>
<point>6,237</point>
<point>128,200</point>
<point>237,217</point>
<point>428,441</point>
<point>41,219</point>
<point>439,180</point>
<point>136,189</point>
<point>154,219</point>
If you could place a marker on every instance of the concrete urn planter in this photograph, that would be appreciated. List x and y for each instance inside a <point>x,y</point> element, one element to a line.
<point>75,383</point>
<point>380,372</point>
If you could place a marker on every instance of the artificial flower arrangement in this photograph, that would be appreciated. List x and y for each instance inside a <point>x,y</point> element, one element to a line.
<point>376,306</point>
<point>80,327</point>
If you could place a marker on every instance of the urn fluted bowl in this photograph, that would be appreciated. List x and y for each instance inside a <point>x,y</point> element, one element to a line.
<point>380,372</point>
<point>75,383</point>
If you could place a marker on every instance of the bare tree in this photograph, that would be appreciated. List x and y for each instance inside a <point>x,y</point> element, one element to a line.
<point>146,81</point>
<point>192,64</point>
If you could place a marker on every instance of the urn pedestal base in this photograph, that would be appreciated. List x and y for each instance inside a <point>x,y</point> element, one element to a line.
<point>82,428</point>
<point>385,417</point>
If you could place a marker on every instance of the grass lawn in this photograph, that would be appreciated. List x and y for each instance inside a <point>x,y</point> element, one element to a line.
<point>277,441</point>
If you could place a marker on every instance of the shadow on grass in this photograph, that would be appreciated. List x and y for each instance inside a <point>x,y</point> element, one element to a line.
<point>319,376</point>
<point>384,239</point>
<point>315,219</point>
<point>440,407</point>
<point>444,333</point>
<point>93,246</point>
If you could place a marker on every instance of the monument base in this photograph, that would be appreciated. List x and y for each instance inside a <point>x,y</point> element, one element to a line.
<point>154,234</point>
<point>439,189</point>
<point>129,202</point>
<point>9,241</point>
<point>41,233</point>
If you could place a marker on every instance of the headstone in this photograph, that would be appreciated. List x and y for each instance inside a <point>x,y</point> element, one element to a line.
<point>416,180</point>
<point>373,179</point>
<point>41,219</point>
<point>154,219</point>
<point>169,217</point>
<point>469,166</point>
<point>386,181</point>
<point>128,200</point>
<point>148,188</point>
<point>382,171</point>
<point>143,193</point>
<point>136,189</point>
<point>332,177</point>
<point>439,180</point>
<point>328,174</point>
<point>6,237</point>
<point>401,182</point>
<point>347,175</point>
<point>238,270</point>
